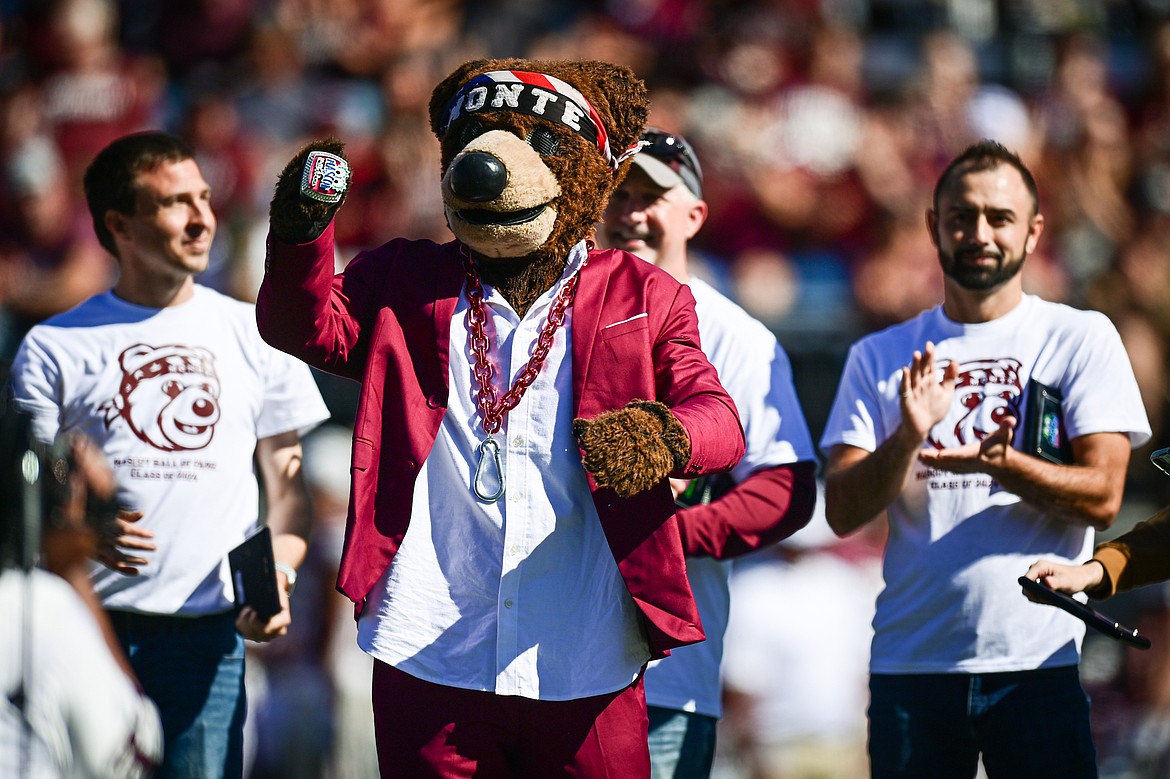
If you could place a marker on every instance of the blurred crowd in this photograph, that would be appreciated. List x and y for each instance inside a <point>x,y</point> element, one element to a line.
<point>821,126</point>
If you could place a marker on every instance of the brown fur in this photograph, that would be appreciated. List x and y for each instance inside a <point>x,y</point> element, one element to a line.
<point>584,175</point>
<point>633,448</point>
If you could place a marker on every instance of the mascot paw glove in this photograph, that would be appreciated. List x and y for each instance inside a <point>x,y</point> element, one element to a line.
<point>632,448</point>
<point>310,189</point>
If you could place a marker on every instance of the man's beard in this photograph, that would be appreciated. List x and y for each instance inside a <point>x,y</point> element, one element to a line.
<point>978,278</point>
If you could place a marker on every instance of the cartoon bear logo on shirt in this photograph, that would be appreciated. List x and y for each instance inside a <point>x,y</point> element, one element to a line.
<point>168,395</point>
<point>986,391</point>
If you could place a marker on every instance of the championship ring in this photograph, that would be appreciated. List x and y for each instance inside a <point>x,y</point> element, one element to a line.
<point>325,177</point>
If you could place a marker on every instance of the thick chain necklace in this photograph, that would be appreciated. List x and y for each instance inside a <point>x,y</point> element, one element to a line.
<point>492,407</point>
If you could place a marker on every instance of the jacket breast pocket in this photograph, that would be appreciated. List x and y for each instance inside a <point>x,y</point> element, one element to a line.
<point>628,339</point>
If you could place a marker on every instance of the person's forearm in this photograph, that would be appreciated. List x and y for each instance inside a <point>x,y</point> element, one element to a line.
<point>1069,492</point>
<point>769,505</point>
<point>860,486</point>
<point>290,514</point>
<point>290,549</point>
<point>291,521</point>
<point>1086,493</point>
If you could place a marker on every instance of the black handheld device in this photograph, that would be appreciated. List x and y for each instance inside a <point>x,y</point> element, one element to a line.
<point>1044,433</point>
<point>254,574</point>
<point>1161,459</point>
<point>1089,615</point>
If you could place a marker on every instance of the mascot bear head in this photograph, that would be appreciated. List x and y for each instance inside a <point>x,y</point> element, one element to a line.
<point>530,153</point>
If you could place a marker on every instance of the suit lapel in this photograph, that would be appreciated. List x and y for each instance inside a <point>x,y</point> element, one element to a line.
<point>591,290</point>
<point>448,286</point>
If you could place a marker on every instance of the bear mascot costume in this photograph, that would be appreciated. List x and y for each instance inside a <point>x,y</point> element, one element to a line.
<point>510,545</point>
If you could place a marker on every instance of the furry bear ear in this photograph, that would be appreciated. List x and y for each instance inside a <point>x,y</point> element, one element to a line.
<point>624,104</point>
<point>445,91</point>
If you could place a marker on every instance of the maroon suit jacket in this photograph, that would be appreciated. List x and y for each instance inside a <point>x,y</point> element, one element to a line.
<point>385,321</point>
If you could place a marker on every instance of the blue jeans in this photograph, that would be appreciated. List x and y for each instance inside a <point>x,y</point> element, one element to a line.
<point>193,669</point>
<point>1025,724</point>
<point>682,744</point>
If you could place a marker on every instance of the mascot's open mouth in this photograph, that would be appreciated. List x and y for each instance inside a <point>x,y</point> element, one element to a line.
<point>482,216</point>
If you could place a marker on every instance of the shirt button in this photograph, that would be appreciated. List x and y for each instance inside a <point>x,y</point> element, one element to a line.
<point>517,442</point>
<point>515,550</point>
<point>433,401</point>
<point>508,603</point>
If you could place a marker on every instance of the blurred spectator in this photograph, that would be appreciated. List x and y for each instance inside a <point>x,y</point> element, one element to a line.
<point>276,93</point>
<point>1133,292</point>
<point>230,158</point>
<point>49,258</point>
<point>947,82</point>
<point>897,279</point>
<point>797,652</point>
<point>92,90</point>
<point>189,36</point>
<point>353,755</point>
<point>1088,163</point>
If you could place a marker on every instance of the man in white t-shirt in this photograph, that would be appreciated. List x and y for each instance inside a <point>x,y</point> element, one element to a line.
<point>963,667</point>
<point>770,495</point>
<point>174,384</point>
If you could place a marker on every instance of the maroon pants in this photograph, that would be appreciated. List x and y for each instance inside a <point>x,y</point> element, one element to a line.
<point>431,730</point>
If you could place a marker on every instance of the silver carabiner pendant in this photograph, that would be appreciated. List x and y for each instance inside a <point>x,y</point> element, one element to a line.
<point>481,469</point>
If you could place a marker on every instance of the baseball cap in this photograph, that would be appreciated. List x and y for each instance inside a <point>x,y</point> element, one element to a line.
<point>668,159</point>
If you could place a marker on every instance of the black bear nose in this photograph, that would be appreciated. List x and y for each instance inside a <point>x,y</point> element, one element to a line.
<point>478,177</point>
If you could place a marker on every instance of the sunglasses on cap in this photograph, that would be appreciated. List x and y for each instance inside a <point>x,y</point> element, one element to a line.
<point>674,152</point>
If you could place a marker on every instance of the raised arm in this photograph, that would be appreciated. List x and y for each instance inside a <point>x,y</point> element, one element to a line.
<point>300,307</point>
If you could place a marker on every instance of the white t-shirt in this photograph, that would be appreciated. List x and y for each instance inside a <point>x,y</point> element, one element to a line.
<point>521,596</point>
<point>176,398</point>
<point>84,713</point>
<point>755,371</point>
<point>958,542</point>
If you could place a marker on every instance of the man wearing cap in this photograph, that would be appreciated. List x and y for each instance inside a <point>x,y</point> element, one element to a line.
<point>767,497</point>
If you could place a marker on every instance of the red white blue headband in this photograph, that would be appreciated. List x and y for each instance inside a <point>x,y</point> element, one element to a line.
<point>536,94</point>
